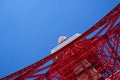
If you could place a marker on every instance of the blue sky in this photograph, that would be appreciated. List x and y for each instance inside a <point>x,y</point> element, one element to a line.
<point>29,28</point>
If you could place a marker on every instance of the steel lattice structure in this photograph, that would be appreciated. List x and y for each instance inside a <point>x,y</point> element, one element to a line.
<point>95,57</point>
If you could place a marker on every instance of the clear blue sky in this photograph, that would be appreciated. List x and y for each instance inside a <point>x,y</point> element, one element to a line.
<point>30,28</point>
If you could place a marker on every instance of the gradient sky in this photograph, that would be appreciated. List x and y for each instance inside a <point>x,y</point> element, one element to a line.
<point>30,28</point>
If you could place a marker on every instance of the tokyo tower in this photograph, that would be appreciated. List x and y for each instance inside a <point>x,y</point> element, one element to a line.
<point>94,55</point>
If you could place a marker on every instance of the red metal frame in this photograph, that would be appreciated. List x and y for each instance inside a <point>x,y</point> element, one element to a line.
<point>95,58</point>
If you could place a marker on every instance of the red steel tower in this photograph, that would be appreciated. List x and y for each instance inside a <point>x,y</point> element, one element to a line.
<point>94,55</point>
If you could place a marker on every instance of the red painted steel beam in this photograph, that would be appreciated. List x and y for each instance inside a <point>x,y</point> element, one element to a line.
<point>95,58</point>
